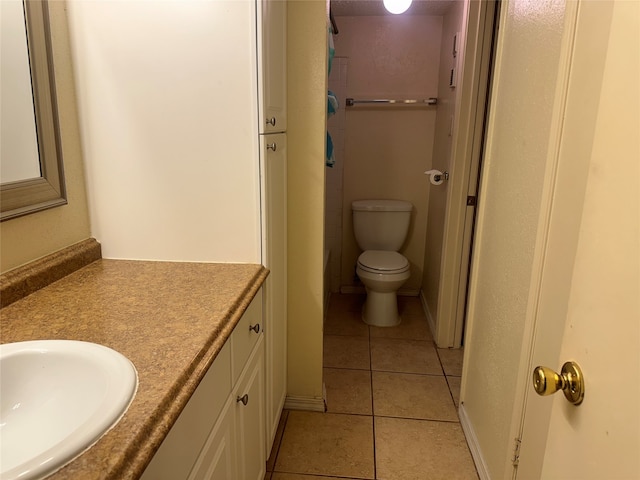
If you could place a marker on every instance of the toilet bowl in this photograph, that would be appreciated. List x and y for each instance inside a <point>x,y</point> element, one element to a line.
<point>380,227</point>
<point>382,273</point>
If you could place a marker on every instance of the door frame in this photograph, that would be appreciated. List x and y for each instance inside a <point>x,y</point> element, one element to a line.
<point>467,144</point>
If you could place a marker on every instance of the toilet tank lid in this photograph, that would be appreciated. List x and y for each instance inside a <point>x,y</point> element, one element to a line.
<point>381,206</point>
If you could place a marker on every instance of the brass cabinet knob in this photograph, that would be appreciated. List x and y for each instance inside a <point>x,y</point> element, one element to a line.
<point>570,381</point>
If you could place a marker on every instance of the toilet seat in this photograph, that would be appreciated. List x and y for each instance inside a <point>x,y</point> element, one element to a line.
<point>383,262</point>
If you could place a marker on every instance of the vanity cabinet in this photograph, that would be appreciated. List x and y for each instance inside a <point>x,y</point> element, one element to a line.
<point>220,434</point>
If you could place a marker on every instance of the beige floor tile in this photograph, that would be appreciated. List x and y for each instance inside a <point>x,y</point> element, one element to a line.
<point>404,395</point>
<point>348,391</point>
<point>454,387</point>
<point>327,444</point>
<point>341,351</point>
<point>341,302</point>
<point>451,359</point>
<point>410,305</point>
<point>404,356</point>
<point>412,327</point>
<point>346,322</point>
<point>276,441</point>
<point>421,449</point>
<point>295,476</point>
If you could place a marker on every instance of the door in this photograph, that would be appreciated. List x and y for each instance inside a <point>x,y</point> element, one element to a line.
<point>272,65</point>
<point>250,421</point>
<point>588,308</point>
<point>274,158</point>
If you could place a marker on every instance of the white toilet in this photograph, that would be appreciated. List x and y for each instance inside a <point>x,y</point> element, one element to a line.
<point>380,228</point>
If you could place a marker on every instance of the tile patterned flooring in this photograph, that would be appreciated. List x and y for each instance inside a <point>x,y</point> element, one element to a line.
<point>391,405</point>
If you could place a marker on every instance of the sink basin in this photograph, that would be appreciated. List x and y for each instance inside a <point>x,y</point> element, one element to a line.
<point>57,398</point>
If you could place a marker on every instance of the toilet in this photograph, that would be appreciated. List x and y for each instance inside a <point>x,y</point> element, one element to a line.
<point>380,228</point>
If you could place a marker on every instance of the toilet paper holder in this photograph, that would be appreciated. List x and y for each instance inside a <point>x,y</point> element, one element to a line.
<point>437,176</point>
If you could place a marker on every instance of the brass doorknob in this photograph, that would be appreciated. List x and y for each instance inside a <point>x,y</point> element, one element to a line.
<point>570,381</point>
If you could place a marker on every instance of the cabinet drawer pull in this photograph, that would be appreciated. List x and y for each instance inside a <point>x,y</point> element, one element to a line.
<point>244,399</point>
<point>271,121</point>
<point>255,328</point>
<point>272,146</point>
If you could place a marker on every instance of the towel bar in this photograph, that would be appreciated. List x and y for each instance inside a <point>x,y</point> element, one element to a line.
<point>350,102</point>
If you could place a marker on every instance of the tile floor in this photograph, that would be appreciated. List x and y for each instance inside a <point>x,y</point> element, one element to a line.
<point>391,405</point>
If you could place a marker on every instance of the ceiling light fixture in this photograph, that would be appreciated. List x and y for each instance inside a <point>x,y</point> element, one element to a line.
<point>397,6</point>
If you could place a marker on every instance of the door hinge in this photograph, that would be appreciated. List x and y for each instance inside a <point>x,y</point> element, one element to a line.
<point>516,452</point>
<point>471,201</point>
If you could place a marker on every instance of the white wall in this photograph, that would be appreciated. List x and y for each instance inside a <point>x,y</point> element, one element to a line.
<point>167,101</point>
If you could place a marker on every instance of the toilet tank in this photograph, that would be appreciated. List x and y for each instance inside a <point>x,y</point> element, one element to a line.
<point>381,224</point>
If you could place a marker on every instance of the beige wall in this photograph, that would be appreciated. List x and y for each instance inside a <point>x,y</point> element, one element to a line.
<point>518,141</point>
<point>387,149</point>
<point>307,107</point>
<point>447,96</point>
<point>27,238</point>
<point>334,210</point>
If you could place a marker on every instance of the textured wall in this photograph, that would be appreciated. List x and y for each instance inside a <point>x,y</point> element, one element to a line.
<point>452,24</point>
<point>387,149</point>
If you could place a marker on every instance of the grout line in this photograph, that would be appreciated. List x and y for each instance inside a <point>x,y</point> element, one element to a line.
<point>409,373</point>
<point>373,418</point>
<point>277,451</point>
<point>454,422</point>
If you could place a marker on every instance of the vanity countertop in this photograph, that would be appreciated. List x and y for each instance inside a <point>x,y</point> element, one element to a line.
<point>170,319</point>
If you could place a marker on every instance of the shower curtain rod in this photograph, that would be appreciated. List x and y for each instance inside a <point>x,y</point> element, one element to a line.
<point>350,102</point>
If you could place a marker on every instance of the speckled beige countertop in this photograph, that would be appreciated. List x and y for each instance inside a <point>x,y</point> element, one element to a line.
<point>169,319</point>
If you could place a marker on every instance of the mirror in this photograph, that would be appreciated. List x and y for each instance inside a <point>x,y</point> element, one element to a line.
<point>35,185</point>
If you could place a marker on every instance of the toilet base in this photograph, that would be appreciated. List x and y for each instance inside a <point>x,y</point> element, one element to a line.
<point>381,309</point>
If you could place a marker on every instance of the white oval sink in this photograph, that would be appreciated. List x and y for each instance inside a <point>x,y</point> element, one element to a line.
<point>57,398</point>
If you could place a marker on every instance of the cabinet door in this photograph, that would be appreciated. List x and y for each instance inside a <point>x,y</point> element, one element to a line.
<point>272,65</point>
<point>249,414</point>
<point>217,460</point>
<point>182,446</point>
<point>275,289</point>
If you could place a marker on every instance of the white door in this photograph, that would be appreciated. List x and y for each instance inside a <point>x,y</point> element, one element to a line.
<point>588,309</point>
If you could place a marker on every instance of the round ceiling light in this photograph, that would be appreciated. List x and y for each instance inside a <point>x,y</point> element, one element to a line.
<point>397,6</point>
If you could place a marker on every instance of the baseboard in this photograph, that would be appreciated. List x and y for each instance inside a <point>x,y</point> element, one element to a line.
<point>474,446</point>
<point>427,312</point>
<point>311,404</point>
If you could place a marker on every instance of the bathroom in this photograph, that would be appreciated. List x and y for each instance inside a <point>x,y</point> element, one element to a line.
<point>383,150</point>
<point>31,237</point>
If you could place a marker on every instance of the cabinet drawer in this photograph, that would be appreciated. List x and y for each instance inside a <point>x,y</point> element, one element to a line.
<point>245,336</point>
